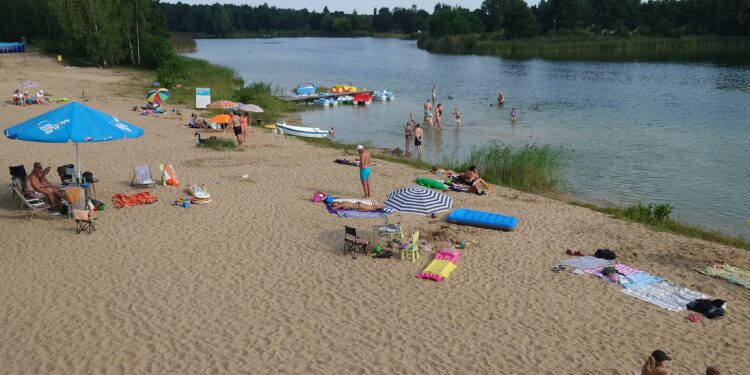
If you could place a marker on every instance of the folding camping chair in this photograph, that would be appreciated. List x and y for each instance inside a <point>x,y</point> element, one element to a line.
<point>67,174</point>
<point>17,177</point>
<point>79,206</point>
<point>352,243</point>
<point>142,176</point>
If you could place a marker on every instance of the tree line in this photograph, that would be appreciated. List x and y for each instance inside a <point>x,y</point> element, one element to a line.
<point>508,19</point>
<point>103,32</point>
<point>135,32</point>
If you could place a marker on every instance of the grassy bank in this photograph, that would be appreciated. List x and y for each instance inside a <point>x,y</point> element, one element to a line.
<point>527,168</point>
<point>604,48</point>
<point>181,75</point>
<point>637,214</point>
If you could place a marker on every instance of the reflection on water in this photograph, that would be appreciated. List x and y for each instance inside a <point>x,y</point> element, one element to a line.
<point>651,132</point>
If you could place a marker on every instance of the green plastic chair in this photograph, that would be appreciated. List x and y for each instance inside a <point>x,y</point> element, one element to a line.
<point>413,248</point>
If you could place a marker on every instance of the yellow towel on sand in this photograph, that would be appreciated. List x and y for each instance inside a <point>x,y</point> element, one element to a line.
<point>440,267</point>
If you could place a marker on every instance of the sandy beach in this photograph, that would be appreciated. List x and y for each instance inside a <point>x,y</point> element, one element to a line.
<point>255,282</point>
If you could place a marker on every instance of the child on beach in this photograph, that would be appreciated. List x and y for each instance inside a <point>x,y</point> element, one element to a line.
<point>457,116</point>
<point>513,114</point>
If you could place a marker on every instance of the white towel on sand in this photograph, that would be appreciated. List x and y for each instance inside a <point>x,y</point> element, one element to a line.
<point>586,262</point>
<point>665,294</point>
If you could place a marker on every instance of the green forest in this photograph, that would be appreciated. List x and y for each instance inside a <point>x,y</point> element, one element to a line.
<point>135,32</point>
<point>508,18</point>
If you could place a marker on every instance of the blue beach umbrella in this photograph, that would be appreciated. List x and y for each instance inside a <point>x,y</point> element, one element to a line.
<point>75,123</point>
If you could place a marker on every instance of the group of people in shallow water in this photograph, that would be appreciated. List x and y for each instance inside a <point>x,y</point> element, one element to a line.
<point>433,118</point>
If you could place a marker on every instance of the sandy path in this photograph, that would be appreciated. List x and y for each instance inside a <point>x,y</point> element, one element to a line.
<point>255,281</point>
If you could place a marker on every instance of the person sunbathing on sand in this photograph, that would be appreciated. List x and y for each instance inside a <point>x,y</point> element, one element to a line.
<point>356,206</point>
<point>471,178</point>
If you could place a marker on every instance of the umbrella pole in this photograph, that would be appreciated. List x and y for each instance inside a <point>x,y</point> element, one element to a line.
<point>78,164</point>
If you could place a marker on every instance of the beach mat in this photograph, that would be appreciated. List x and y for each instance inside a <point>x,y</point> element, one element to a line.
<point>665,294</point>
<point>734,275</point>
<point>441,267</point>
<point>482,219</point>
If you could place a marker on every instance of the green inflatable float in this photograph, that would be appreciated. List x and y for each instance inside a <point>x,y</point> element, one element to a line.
<point>435,184</point>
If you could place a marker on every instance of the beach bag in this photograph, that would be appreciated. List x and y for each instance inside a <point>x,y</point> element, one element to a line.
<point>712,309</point>
<point>88,177</point>
<point>318,197</point>
<point>605,254</point>
<point>168,175</point>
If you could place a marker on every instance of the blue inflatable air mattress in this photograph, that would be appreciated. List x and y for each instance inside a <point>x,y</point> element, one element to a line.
<point>482,219</point>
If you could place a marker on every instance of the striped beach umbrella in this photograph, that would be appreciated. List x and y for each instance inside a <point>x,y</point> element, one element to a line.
<point>158,95</point>
<point>221,104</point>
<point>417,200</point>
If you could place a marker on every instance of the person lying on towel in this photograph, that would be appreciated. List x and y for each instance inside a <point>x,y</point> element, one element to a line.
<point>356,206</point>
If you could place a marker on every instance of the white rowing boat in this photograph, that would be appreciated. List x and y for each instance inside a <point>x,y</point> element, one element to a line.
<point>301,131</point>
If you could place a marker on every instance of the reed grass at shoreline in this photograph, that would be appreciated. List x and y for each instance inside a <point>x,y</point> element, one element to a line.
<point>597,48</point>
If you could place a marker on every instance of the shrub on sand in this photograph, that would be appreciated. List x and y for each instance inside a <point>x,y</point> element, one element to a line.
<point>219,144</point>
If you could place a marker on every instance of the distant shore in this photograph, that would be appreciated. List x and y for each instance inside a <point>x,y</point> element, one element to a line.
<point>597,48</point>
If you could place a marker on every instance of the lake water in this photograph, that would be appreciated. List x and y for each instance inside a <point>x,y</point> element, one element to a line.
<point>650,132</point>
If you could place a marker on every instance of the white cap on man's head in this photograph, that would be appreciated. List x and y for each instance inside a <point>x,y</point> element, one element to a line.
<point>360,147</point>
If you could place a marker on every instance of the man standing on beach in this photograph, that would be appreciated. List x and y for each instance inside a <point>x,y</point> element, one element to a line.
<point>364,169</point>
<point>237,127</point>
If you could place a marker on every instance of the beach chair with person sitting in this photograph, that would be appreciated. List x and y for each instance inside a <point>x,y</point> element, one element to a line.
<point>32,203</point>
<point>142,176</point>
<point>352,243</point>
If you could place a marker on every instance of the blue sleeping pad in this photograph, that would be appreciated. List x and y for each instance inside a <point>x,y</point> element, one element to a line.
<point>482,219</point>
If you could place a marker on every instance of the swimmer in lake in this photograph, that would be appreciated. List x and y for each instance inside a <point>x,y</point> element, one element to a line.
<point>513,114</point>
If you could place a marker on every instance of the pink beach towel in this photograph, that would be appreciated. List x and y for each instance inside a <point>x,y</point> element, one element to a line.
<point>621,268</point>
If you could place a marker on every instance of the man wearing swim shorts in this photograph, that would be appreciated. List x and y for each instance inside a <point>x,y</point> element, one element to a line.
<point>236,123</point>
<point>364,169</point>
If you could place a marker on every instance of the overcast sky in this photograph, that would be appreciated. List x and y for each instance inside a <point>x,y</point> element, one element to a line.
<point>362,6</point>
